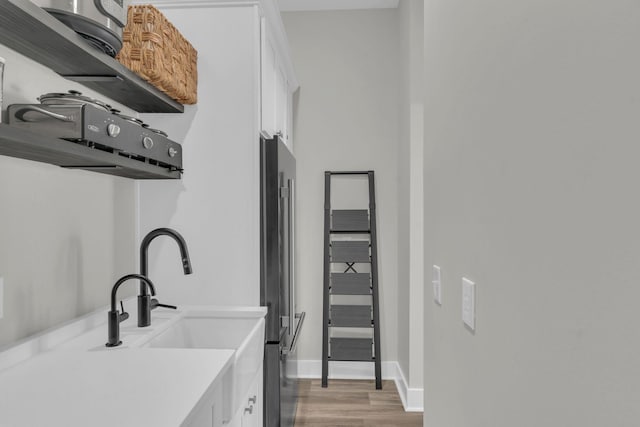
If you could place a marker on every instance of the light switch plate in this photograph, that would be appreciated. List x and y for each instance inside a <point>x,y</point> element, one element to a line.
<point>437,285</point>
<point>1,297</point>
<point>469,303</point>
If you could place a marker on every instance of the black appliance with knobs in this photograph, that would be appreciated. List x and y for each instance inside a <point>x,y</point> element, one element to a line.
<point>277,282</point>
<point>93,123</point>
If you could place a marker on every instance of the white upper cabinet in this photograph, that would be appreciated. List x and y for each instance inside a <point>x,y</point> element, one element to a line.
<point>278,81</point>
<point>268,82</point>
<point>282,100</point>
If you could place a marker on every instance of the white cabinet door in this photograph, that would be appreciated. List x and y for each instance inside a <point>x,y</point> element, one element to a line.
<point>209,414</point>
<point>281,101</point>
<point>252,412</point>
<point>204,418</point>
<point>249,411</point>
<point>276,108</point>
<point>268,81</point>
<point>289,117</point>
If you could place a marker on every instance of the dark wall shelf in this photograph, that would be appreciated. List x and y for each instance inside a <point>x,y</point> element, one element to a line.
<point>34,146</point>
<point>29,30</point>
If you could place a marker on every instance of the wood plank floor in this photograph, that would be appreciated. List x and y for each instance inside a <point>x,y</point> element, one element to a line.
<point>352,403</point>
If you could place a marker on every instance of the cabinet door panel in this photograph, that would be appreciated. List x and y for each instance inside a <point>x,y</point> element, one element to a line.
<point>209,414</point>
<point>281,102</point>
<point>204,418</point>
<point>268,107</point>
<point>252,411</point>
<point>289,118</point>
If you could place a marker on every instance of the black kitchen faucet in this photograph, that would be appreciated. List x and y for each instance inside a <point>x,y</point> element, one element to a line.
<point>114,317</point>
<point>145,303</point>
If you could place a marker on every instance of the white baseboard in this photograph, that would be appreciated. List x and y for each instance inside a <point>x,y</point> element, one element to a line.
<point>344,370</point>
<point>412,398</point>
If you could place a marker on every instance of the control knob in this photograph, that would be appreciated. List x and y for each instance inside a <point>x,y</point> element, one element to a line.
<point>113,130</point>
<point>172,152</point>
<point>147,142</point>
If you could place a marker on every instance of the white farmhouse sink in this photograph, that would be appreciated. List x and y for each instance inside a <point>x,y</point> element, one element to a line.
<point>241,330</point>
<point>205,330</point>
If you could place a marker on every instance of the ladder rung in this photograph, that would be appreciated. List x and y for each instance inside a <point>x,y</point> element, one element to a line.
<point>350,221</point>
<point>351,349</point>
<point>350,284</point>
<point>350,251</point>
<point>333,359</point>
<point>348,172</point>
<point>351,316</point>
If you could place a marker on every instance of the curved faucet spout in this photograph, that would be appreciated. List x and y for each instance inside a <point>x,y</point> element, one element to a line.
<point>144,252</point>
<point>143,279</point>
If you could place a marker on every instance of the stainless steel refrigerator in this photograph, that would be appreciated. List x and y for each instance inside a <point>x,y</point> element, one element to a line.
<point>277,281</point>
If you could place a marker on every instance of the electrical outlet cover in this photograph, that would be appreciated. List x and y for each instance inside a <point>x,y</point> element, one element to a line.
<point>469,303</point>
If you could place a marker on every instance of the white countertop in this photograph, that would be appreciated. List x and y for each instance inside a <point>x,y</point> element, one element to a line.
<point>80,382</point>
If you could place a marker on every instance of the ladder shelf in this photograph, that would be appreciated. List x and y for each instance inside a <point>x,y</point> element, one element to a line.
<point>361,250</point>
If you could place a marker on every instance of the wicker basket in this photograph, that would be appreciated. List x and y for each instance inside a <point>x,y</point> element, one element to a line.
<point>154,49</point>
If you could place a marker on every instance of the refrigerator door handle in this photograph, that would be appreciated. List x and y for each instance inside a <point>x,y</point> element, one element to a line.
<point>292,255</point>
<point>296,335</point>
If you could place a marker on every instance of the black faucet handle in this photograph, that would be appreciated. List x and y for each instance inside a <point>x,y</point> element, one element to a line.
<point>173,307</point>
<point>155,303</point>
<point>123,314</point>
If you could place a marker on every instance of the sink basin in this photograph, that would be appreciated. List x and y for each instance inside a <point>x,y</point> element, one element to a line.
<point>240,330</point>
<point>203,330</point>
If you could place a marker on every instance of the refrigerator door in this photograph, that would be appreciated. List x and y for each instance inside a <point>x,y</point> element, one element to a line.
<point>271,377</point>
<point>280,404</point>
<point>277,289</point>
<point>288,389</point>
<point>269,240</point>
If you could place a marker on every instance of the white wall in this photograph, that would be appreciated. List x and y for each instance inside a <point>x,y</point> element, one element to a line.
<point>65,235</point>
<point>346,119</point>
<point>411,196</point>
<point>216,205</point>
<point>531,132</point>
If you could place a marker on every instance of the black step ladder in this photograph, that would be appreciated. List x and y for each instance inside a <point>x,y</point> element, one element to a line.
<point>338,225</point>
